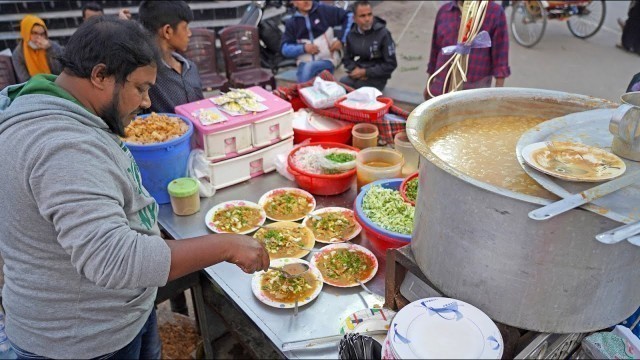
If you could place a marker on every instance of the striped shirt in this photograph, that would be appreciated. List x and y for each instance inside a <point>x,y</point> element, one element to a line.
<point>173,89</point>
<point>484,64</point>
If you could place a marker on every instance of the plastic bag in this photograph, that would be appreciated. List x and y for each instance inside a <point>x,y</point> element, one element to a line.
<point>333,167</point>
<point>198,168</point>
<point>282,166</point>
<point>364,99</point>
<point>356,346</point>
<point>323,94</point>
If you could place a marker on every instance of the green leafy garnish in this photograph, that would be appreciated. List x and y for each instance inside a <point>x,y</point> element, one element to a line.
<point>412,189</point>
<point>386,208</point>
<point>340,157</point>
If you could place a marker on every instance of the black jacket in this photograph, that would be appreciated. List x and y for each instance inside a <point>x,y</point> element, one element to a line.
<point>374,50</point>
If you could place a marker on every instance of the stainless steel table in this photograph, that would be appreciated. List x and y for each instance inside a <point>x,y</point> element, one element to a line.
<point>321,317</point>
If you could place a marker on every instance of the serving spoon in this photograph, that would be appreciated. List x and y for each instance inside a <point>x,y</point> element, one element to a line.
<point>292,271</point>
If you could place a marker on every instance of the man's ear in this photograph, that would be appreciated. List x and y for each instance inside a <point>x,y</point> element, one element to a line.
<point>166,32</point>
<point>99,77</point>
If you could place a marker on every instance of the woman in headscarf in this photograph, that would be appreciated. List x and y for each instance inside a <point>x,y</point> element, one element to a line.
<point>35,53</point>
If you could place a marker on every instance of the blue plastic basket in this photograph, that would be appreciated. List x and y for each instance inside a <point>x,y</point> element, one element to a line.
<point>160,163</point>
<point>387,184</point>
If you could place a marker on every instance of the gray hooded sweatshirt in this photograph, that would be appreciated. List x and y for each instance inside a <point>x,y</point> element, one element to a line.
<point>78,231</point>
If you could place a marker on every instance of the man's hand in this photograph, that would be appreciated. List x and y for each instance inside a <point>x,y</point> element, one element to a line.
<point>124,14</point>
<point>248,254</point>
<point>43,43</point>
<point>335,46</point>
<point>358,73</point>
<point>499,82</point>
<point>311,49</point>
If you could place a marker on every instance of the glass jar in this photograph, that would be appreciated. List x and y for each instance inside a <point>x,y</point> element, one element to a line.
<point>185,197</point>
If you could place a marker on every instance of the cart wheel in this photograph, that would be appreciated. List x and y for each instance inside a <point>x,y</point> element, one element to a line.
<point>528,22</point>
<point>588,20</point>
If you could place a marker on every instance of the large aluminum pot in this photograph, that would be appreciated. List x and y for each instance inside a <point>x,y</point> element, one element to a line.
<point>475,242</point>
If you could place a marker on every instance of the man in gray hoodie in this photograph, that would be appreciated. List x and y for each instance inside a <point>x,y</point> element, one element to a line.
<point>83,253</point>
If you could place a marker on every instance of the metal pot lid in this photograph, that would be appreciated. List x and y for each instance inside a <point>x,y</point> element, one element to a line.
<point>590,128</point>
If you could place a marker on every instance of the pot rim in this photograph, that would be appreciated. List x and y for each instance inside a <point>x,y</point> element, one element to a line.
<point>416,128</point>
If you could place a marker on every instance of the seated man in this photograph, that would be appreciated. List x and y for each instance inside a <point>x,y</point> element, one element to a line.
<point>370,53</point>
<point>178,81</point>
<point>308,36</point>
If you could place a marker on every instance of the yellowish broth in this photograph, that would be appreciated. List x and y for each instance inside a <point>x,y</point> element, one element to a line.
<point>485,149</point>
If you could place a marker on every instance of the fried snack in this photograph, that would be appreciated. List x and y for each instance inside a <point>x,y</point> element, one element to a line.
<point>154,128</point>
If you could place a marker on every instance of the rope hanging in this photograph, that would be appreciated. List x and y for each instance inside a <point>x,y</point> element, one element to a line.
<point>469,37</point>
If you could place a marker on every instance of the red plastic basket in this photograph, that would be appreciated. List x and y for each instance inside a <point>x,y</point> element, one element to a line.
<point>365,115</point>
<point>320,184</point>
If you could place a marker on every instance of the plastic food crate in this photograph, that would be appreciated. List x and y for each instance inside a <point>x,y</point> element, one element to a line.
<point>365,115</point>
<point>232,171</point>
<point>241,134</point>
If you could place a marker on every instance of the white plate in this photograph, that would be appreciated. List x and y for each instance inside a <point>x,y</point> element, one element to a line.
<point>348,237</point>
<point>327,249</point>
<point>443,328</point>
<point>573,161</point>
<point>259,293</point>
<point>368,320</point>
<point>208,220</point>
<point>264,198</point>
<point>214,110</point>
<point>308,242</point>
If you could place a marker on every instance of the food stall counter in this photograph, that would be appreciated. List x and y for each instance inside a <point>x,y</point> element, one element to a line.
<point>321,317</point>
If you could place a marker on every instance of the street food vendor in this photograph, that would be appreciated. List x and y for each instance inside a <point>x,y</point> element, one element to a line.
<point>80,240</point>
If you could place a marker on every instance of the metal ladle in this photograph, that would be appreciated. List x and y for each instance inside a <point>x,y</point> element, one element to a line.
<point>292,271</point>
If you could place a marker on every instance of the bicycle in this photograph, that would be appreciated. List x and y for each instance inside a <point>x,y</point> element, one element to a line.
<point>529,18</point>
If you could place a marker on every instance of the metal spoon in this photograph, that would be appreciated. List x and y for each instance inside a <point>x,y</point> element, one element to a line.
<point>293,270</point>
<point>364,287</point>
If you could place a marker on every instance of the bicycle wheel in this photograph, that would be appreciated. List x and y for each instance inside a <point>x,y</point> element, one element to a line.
<point>588,20</point>
<point>528,22</point>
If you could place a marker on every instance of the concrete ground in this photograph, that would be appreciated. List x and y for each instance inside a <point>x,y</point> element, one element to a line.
<point>558,62</point>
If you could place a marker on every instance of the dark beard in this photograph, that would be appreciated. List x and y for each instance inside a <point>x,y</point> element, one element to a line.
<point>110,114</point>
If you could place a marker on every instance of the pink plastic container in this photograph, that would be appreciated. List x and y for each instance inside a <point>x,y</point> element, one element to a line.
<point>241,134</point>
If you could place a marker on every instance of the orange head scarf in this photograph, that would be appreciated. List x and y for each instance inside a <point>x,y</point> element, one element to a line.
<point>36,60</point>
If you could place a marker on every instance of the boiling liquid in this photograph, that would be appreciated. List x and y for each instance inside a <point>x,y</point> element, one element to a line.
<point>485,149</point>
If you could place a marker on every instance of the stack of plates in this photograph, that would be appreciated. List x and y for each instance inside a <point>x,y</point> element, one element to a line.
<point>442,328</point>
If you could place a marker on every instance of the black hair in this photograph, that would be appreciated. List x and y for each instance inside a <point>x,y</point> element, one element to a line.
<point>122,45</point>
<point>359,3</point>
<point>93,6</point>
<point>156,14</point>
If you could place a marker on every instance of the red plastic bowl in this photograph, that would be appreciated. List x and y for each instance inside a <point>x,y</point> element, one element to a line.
<point>403,188</point>
<point>381,243</point>
<point>342,135</point>
<point>320,184</point>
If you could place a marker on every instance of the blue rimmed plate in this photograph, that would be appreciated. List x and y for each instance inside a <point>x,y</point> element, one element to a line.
<point>443,328</point>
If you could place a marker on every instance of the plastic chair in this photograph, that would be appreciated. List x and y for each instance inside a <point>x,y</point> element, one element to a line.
<point>202,51</point>
<point>241,49</point>
<point>7,75</point>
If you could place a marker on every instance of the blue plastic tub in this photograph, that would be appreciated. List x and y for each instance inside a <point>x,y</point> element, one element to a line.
<point>162,162</point>
<point>387,184</point>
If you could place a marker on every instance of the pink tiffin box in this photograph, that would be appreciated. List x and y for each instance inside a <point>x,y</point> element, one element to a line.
<point>241,134</point>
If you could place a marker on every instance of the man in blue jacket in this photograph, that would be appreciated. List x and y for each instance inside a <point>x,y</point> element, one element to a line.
<point>308,36</point>
<point>370,53</point>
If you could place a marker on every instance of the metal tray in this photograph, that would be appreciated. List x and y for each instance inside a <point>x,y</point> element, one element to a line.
<point>590,128</point>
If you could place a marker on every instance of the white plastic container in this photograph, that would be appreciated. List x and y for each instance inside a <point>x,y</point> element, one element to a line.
<point>273,129</point>
<point>232,171</point>
<point>226,144</point>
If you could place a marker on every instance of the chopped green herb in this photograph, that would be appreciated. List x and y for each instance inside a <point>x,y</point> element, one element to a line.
<point>412,189</point>
<point>340,157</point>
